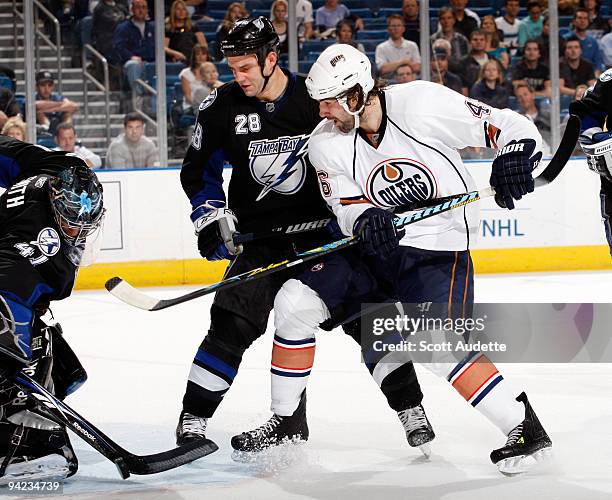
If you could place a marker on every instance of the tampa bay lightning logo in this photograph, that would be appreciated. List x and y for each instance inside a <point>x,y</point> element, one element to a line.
<point>279,164</point>
<point>398,181</point>
<point>48,241</point>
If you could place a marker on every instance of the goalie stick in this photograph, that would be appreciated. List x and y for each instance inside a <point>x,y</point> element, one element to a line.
<point>134,297</point>
<point>127,463</point>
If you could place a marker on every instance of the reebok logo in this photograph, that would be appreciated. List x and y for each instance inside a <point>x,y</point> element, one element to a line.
<point>83,431</point>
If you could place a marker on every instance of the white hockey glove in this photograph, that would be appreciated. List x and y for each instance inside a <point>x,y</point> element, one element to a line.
<point>597,146</point>
<point>215,226</point>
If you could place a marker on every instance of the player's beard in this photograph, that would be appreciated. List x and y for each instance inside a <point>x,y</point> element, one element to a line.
<point>346,125</point>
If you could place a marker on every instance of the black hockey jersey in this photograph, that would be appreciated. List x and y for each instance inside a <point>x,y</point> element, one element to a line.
<point>33,265</point>
<point>596,105</point>
<point>266,144</point>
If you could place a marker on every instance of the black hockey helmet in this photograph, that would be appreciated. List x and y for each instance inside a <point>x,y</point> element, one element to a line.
<point>253,35</point>
<point>76,197</point>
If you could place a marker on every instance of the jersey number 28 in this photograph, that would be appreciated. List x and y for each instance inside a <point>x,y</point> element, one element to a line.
<point>252,121</point>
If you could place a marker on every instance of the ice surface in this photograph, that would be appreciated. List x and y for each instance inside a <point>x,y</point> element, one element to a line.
<point>138,362</point>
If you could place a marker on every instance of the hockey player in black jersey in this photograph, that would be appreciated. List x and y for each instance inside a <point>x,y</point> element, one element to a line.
<point>595,110</point>
<point>260,124</point>
<point>53,202</point>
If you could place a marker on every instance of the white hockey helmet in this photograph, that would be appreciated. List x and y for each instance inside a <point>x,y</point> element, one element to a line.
<point>336,71</point>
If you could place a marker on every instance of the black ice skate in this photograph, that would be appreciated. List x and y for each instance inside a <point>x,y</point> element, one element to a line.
<point>30,454</point>
<point>527,444</point>
<point>190,428</point>
<point>276,431</point>
<point>419,431</point>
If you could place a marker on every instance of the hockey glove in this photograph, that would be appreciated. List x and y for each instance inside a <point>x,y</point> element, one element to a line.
<point>377,232</point>
<point>597,147</point>
<point>215,226</point>
<point>511,175</point>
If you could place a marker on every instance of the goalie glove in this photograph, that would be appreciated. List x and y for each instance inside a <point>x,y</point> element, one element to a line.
<point>512,172</point>
<point>215,227</point>
<point>377,232</point>
<point>597,147</point>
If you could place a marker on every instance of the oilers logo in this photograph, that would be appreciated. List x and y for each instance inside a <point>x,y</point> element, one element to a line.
<point>398,181</point>
<point>279,164</point>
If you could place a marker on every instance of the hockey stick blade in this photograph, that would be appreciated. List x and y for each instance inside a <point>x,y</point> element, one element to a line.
<point>127,463</point>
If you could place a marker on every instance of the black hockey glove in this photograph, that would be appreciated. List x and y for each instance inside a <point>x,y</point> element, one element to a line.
<point>511,175</point>
<point>377,232</point>
<point>215,226</point>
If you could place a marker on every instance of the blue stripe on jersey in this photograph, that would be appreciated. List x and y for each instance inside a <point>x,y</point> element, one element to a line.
<point>293,342</point>
<point>212,177</point>
<point>289,374</point>
<point>9,170</point>
<point>487,390</point>
<point>215,363</point>
<point>461,364</point>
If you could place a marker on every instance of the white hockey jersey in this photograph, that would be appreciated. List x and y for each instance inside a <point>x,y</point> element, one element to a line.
<point>424,124</point>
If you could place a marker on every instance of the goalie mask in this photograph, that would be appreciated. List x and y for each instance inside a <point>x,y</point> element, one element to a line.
<point>76,197</point>
<point>339,71</point>
<point>597,146</point>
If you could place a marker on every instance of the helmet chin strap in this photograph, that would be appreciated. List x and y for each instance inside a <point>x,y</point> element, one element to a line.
<point>355,114</point>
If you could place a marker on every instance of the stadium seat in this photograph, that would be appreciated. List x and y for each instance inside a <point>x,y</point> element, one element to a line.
<point>372,35</point>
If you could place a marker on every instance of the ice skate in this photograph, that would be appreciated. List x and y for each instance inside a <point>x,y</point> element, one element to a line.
<point>276,431</point>
<point>527,444</point>
<point>190,427</point>
<point>419,432</point>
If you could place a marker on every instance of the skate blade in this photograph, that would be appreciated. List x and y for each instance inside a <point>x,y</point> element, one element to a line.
<point>426,450</point>
<point>524,463</point>
<point>249,457</point>
<point>49,468</point>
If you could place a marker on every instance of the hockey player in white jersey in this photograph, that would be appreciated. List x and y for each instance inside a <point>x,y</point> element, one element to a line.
<point>383,147</point>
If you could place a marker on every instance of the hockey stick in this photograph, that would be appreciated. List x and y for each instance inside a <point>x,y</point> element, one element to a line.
<point>134,297</point>
<point>127,463</point>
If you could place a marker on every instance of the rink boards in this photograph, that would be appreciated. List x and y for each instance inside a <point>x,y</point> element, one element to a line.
<point>149,239</point>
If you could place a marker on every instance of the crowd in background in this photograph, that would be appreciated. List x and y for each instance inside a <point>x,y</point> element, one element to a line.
<point>502,61</point>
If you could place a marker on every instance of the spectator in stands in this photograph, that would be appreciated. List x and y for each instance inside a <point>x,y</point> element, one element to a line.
<point>181,34</point>
<point>490,87</point>
<point>396,50</point>
<point>278,17</point>
<point>466,20</point>
<point>51,108</point>
<point>191,76</point>
<point>345,33</point>
<point>598,25</point>
<point>472,63</point>
<point>134,43</point>
<point>332,12</point>
<point>404,74</point>
<point>494,46</point>
<point>531,26</point>
<point>15,127</point>
<point>544,42</point>
<point>66,140</point>
<point>105,18</point>
<point>132,149</point>
<point>235,10</point>
<point>8,106</point>
<point>303,16</point>
<point>509,24</point>
<point>440,73</point>
<point>410,10</point>
<point>210,81</point>
<point>530,70</point>
<point>606,49</point>
<point>590,46</point>
<point>567,7</point>
<point>574,70</point>
<point>526,99</point>
<point>459,44</point>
